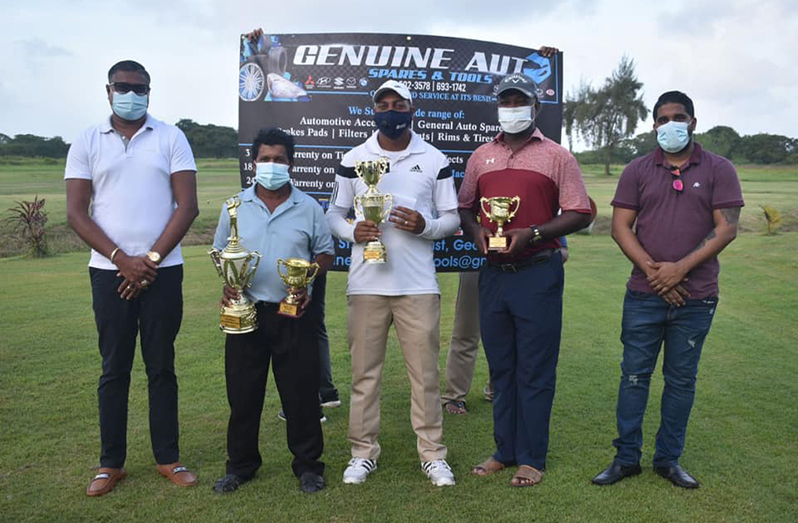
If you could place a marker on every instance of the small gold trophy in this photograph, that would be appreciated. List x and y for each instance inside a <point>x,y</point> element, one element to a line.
<point>236,266</point>
<point>373,205</point>
<point>296,278</point>
<point>500,214</point>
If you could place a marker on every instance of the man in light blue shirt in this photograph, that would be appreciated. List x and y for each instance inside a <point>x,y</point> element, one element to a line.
<point>278,221</point>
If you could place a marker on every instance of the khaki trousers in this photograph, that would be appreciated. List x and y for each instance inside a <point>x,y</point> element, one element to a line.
<point>464,346</point>
<point>417,322</point>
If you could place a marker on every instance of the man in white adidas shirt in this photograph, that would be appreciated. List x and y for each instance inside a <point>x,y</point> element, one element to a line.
<point>404,291</point>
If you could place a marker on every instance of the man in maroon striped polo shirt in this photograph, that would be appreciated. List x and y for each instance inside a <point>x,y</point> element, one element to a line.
<point>520,286</point>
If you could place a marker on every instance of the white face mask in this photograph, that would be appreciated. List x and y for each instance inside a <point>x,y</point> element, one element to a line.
<point>514,120</point>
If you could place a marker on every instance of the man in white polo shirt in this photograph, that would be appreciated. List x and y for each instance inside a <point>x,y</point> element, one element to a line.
<point>131,196</point>
<point>404,291</point>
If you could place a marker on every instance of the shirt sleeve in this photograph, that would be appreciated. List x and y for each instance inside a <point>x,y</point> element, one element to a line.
<point>445,196</point>
<point>573,194</point>
<point>726,191</point>
<point>627,195</point>
<point>182,159</point>
<point>222,230</point>
<point>77,164</point>
<point>467,196</point>
<point>322,241</point>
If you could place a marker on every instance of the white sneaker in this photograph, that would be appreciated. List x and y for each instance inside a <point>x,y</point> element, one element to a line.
<point>439,472</point>
<point>358,470</point>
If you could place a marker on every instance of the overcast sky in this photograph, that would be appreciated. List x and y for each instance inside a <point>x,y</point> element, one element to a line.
<point>737,59</point>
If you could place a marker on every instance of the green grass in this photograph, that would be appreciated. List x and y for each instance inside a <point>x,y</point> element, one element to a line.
<point>741,440</point>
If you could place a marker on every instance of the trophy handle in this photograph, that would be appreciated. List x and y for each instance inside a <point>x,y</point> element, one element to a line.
<point>482,202</point>
<point>388,200</point>
<point>217,261</point>
<point>279,272</point>
<point>517,201</point>
<point>314,266</point>
<point>356,203</point>
<point>252,268</point>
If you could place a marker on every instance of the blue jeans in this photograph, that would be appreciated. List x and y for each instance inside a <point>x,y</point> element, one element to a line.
<point>648,320</point>
<point>520,318</point>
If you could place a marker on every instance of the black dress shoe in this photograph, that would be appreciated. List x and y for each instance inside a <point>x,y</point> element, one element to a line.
<point>677,475</point>
<point>616,472</point>
<point>311,482</point>
<point>229,483</point>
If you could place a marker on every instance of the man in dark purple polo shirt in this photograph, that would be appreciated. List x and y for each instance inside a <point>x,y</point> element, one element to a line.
<point>686,202</point>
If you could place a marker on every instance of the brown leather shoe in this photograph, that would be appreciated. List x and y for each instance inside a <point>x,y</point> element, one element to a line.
<point>105,481</point>
<point>178,474</point>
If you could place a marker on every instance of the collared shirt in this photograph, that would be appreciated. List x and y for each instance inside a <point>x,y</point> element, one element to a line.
<point>419,178</point>
<point>131,184</point>
<point>296,229</point>
<point>541,172</point>
<point>671,224</point>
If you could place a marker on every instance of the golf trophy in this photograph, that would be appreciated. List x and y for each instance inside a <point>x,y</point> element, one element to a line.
<point>296,278</point>
<point>373,205</point>
<point>500,214</point>
<point>236,266</point>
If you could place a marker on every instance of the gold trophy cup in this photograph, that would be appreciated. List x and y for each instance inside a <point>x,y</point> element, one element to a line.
<point>500,214</point>
<point>296,278</point>
<point>236,266</point>
<point>373,205</point>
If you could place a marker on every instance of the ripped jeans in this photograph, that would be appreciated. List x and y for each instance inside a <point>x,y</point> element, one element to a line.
<point>648,321</point>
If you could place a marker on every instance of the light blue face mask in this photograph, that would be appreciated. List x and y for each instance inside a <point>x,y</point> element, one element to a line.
<point>130,106</point>
<point>673,136</point>
<point>271,175</point>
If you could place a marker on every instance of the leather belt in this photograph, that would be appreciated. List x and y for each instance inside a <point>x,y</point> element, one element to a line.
<point>538,259</point>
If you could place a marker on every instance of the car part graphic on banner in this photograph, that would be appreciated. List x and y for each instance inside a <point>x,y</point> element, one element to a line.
<point>453,81</point>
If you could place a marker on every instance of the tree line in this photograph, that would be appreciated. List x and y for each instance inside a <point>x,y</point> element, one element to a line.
<point>207,141</point>
<point>606,117</point>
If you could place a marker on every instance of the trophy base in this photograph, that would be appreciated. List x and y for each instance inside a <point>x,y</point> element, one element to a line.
<point>238,319</point>
<point>374,252</point>
<point>497,243</point>
<point>289,310</point>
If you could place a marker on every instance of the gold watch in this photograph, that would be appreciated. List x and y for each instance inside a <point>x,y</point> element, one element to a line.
<point>154,257</point>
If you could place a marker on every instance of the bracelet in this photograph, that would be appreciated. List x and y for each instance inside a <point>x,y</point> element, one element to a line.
<point>113,254</point>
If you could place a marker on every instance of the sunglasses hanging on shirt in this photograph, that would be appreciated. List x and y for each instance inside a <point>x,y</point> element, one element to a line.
<point>677,184</point>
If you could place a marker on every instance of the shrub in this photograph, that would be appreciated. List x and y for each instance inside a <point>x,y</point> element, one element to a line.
<point>28,219</point>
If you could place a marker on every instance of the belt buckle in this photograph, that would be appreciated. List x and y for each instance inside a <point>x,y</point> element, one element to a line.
<point>508,267</point>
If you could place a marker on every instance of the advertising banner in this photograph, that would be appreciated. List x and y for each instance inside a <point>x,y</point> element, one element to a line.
<point>319,88</point>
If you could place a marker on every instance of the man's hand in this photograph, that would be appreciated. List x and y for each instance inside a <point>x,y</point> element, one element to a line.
<point>676,296</point>
<point>481,240</point>
<point>228,295</point>
<point>519,240</point>
<point>304,298</point>
<point>665,276</point>
<point>548,52</point>
<point>408,220</point>
<point>138,270</point>
<point>129,290</point>
<point>366,231</point>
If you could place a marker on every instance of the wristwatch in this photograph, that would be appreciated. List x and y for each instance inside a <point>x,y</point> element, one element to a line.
<point>536,236</point>
<point>154,257</point>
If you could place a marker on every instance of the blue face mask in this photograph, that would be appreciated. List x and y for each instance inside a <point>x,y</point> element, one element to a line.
<point>130,106</point>
<point>393,123</point>
<point>271,175</point>
<point>673,136</point>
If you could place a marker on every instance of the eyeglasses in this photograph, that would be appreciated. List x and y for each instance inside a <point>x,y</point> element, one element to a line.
<point>124,87</point>
<point>677,185</point>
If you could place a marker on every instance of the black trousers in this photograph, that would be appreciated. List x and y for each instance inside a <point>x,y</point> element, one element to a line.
<point>157,313</point>
<point>292,346</point>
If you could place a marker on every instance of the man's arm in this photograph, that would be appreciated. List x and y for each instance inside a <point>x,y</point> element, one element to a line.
<point>471,227</point>
<point>565,223</point>
<point>133,268</point>
<point>622,222</point>
<point>184,189</point>
<point>667,274</point>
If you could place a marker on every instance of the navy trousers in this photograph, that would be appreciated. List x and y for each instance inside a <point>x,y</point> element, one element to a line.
<point>520,317</point>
